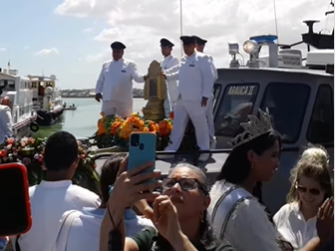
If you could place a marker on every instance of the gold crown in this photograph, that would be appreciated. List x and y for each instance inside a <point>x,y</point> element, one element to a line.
<point>254,128</point>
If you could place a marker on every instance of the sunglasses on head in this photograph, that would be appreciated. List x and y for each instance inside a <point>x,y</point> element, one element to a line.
<point>186,184</point>
<point>302,189</point>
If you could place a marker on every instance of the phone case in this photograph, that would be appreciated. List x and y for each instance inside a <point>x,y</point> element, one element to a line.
<point>138,156</point>
<point>23,170</point>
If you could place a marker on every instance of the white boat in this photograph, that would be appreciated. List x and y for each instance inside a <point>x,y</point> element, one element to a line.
<point>47,99</point>
<point>18,90</point>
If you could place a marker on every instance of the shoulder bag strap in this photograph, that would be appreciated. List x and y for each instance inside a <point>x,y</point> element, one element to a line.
<point>63,235</point>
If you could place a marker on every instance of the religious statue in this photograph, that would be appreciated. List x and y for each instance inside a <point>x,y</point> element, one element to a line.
<point>155,92</point>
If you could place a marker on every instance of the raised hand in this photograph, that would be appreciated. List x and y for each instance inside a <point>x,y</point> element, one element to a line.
<point>325,221</point>
<point>165,218</point>
<point>131,186</point>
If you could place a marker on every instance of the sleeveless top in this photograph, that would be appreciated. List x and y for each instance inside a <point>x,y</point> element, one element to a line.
<point>237,217</point>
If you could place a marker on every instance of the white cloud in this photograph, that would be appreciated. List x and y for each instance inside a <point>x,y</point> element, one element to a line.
<point>47,52</point>
<point>87,30</point>
<point>141,24</point>
<point>3,49</point>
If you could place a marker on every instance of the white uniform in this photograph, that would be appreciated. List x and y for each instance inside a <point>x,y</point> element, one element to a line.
<point>172,86</point>
<point>116,86</point>
<point>196,79</point>
<point>6,123</point>
<point>209,111</point>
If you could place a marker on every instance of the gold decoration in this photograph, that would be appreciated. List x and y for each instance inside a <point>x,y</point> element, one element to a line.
<point>155,92</point>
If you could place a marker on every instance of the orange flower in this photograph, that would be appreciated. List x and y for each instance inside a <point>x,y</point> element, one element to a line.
<point>3,153</point>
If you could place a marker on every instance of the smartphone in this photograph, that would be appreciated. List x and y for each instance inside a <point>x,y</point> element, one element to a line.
<point>15,211</point>
<point>142,149</point>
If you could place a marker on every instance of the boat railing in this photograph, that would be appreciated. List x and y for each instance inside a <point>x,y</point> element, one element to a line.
<point>195,153</point>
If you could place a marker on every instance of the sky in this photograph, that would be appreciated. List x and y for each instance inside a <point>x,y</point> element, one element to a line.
<point>71,38</point>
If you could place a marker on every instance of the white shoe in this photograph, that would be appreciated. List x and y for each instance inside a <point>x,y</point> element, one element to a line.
<point>204,157</point>
<point>213,143</point>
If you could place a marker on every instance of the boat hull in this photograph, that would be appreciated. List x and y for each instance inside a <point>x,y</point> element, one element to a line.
<point>48,118</point>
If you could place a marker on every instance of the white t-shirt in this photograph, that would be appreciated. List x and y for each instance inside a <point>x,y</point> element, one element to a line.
<point>84,233</point>
<point>49,200</point>
<point>292,225</point>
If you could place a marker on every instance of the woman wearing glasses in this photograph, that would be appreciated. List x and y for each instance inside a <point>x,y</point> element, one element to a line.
<point>179,213</point>
<point>311,186</point>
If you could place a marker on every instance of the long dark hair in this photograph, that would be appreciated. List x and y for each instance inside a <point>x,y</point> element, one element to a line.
<point>237,167</point>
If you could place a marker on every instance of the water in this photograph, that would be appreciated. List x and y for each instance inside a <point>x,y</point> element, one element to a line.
<point>83,121</point>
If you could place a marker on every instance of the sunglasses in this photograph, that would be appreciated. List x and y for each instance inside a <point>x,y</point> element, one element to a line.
<point>313,191</point>
<point>186,184</point>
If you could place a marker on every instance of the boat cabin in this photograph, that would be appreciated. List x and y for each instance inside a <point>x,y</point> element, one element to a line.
<point>299,97</point>
<point>18,89</point>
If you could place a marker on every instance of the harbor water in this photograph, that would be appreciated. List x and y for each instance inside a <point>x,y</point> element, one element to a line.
<point>83,121</point>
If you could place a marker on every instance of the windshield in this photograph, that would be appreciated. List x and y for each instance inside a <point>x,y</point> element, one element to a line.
<point>236,104</point>
<point>287,106</point>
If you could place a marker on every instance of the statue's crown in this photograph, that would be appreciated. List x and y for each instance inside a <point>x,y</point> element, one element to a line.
<point>254,128</point>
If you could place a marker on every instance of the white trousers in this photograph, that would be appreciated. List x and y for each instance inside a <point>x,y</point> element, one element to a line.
<point>210,117</point>
<point>183,111</point>
<point>123,109</point>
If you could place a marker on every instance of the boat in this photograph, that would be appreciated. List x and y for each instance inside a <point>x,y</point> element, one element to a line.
<point>70,108</point>
<point>47,99</point>
<point>297,91</point>
<point>18,90</point>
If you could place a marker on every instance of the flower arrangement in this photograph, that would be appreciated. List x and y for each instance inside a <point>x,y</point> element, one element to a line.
<point>115,131</point>
<point>29,152</point>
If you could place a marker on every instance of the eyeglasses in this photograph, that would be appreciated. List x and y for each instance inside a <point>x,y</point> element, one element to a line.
<point>186,184</point>
<point>313,191</point>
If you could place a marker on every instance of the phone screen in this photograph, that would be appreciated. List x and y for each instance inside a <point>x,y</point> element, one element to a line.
<point>15,215</point>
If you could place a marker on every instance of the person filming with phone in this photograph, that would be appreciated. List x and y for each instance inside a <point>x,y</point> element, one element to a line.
<point>179,213</point>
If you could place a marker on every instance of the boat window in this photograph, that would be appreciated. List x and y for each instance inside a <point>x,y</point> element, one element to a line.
<point>287,105</point>
<point>236,104</point>
<point>216,93</point>
<point>321,124</point>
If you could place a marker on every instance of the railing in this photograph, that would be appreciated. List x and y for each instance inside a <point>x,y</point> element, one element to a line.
<point>195,153</point>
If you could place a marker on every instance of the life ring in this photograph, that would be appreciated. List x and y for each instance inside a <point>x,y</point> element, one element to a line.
<point>34,127</point>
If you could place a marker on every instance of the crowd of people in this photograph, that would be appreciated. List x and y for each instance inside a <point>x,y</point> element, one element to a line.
<point>181,212</point>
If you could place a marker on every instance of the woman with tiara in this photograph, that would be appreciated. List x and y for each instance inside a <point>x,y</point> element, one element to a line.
<point>236,215</point>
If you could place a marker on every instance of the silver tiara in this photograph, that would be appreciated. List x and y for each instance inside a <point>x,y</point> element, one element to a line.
<point>254,128</point>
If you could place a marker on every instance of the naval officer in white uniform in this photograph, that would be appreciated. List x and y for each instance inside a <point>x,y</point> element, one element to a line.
<point>196,79</point>
<point>169,62</point>
<point>115,84</point>
<point>200,46</point>
<point>6,121</point>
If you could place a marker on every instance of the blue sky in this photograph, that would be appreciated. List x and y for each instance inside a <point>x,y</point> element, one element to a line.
<point>28,27</point>
<point>71,38</point>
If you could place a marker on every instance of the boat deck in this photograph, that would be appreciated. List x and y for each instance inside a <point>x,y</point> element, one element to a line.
<point>211,167</point>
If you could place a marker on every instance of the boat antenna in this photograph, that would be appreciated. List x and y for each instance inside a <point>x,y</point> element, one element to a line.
<point>181,24</point>
<point>276,23</point>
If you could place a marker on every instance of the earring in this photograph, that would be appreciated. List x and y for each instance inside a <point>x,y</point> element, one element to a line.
<point>202,217</point>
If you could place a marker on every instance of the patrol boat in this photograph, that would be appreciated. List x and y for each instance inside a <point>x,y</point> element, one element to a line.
<point>47,99</point>
<point>297,91</point>
<point>18,90</point>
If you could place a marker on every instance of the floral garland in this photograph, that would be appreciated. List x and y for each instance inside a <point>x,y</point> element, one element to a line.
<point>115,131</point>
<point>29,152</point>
